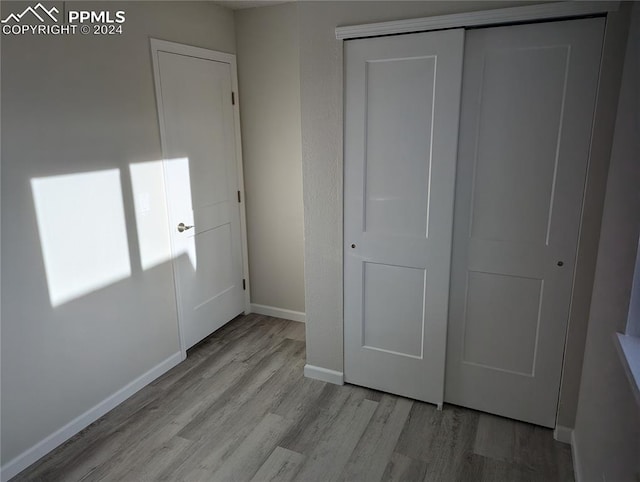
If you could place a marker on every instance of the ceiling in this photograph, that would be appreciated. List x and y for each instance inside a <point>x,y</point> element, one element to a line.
<point>239,4</point>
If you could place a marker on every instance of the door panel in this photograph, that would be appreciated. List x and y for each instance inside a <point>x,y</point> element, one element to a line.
<point>403,302</point>
<point>401,120</point>
<point>514,314</point>
<point>517,208</point>
<point>200,174</point>
<point>525,125</point>
<point>396,172</point>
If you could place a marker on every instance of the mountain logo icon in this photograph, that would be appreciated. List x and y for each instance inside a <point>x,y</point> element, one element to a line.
<point>39,11</point>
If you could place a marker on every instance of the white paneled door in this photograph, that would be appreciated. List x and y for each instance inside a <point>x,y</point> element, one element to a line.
<point>527,108</point>
<point>199,144</point>
<point>401,134</point>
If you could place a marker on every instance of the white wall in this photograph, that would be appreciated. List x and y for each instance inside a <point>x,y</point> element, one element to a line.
<point>601,141</point>
<point>633,321</point>
<point>269,84</point>
<point>80,104</point>
<point>607,431</point>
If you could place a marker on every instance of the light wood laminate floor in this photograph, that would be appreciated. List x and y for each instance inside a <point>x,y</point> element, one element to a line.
<point>239,409</point>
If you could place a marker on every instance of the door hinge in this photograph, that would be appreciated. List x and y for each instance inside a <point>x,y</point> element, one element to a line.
<point>244,284</point>
<point>233,98</point>
<point>239,197</point>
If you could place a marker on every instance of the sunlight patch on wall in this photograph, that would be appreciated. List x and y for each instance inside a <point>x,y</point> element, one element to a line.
<point>82,232</point>
<point>180,207</point>
<point>152,222</point>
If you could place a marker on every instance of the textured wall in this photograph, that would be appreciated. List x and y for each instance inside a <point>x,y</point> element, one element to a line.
<point>607,430</point>
<point>602,136</point>
<point>81,104</point>
<point>269,77</point>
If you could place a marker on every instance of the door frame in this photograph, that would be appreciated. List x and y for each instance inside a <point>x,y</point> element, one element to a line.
<point>202,53</point>
<point>483,18</point>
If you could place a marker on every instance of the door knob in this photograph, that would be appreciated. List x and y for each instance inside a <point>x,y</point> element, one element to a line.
<point>182,227</point>
<point>560,263</point>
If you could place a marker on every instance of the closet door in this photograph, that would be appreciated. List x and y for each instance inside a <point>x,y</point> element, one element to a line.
<point>527,108</point>
<point>401,132</point>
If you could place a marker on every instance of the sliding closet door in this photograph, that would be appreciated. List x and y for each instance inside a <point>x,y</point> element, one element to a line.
<point>401,134</point>
<point>527,108</point>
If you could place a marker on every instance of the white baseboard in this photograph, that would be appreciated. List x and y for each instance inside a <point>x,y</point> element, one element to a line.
<point>29,456</point>
<point>278,312</point>
<point>324,374</point>
<point>563,434</point>
<point>577,468</point>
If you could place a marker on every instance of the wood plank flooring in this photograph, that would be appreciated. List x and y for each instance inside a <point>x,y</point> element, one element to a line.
<point>239,409</point>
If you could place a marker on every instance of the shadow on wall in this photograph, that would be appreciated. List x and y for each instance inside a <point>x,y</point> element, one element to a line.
<point>83,232</point>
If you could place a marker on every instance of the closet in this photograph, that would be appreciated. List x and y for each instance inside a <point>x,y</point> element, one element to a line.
<point>466,154</point>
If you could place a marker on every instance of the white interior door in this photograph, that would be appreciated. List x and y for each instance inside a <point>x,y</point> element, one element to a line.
<point>199,142</point>
<point>401,133</point>
<point>527,109</point>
